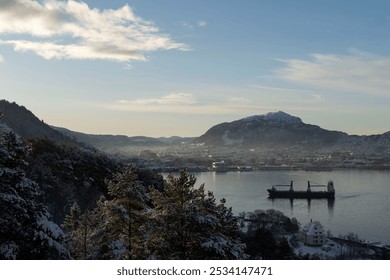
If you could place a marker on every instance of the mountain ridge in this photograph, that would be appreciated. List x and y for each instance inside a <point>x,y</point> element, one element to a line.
<point>23,122</point>
<point>122,144</point>
<point>274,130</point>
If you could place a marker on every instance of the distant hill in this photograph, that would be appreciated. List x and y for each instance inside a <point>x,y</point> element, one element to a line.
<point>124,145</point>
<point>105,141</point>
<point>281,130</point>
<point>272,129</point>
<point>27,125</point>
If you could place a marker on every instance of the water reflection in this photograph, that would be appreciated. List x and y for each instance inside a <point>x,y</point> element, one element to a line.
<point>330,203</point>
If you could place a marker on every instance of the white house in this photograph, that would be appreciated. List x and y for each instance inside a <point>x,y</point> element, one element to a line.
<point>313,234</point>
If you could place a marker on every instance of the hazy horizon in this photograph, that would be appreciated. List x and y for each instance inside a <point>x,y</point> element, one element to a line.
<point>166,67</point>
<point>193,136</point>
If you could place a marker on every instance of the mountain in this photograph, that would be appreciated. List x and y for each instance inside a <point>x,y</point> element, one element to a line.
<point>281,131</point>
<point>27,125</point>
<point>65,170</point>
<point>107,141</point>
<point>124,145</point>
<point>272,129</point>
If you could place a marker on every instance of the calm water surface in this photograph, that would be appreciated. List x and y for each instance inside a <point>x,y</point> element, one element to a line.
<point>361,206</point>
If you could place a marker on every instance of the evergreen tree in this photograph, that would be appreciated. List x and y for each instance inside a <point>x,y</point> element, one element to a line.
<point>261,244</point>
<point>72,220</point>
<point>87,237</point>
<point>26,230</point>
<point>186,223</point>
<point>125,215</point>
<point>264,237</point>
<point>115,228</point>
<point>78,228</point>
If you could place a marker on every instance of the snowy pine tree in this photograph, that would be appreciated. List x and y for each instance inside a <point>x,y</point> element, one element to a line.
<point>26,230</point>
<point>186,223</point>
<point>125,215</point>
<point>78,228</point>
<point>87,234</point>
<point>115,228</point>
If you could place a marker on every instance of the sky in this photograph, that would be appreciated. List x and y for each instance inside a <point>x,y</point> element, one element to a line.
<point>178,67</point>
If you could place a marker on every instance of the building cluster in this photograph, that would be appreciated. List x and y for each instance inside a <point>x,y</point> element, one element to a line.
<point>200,157</point>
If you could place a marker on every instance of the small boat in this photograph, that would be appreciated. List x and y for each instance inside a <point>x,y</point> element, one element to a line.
<point>309,193</point>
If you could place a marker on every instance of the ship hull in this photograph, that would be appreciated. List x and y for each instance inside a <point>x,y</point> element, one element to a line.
<point>300,194</point>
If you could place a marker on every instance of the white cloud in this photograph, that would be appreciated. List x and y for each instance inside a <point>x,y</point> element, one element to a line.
<point>56,29</point>
<point>190,26</point>
<point>354,72</point>
<point>202,23</point>
<point>1,58</point>
<point>170,99</point>
<point>171,103</point>
<point>186,103</point>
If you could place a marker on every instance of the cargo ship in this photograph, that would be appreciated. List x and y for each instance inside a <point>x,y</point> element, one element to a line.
<point>329,193</point>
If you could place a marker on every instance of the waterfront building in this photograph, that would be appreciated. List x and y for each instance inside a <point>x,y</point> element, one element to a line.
<point>313,234</point>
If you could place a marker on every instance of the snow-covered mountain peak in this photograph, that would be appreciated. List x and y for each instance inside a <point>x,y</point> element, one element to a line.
<point>282,117</point>
<point>276,117</point>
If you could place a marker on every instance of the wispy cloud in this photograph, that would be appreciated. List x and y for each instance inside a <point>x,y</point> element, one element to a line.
<point>202,23</point>
<point>1,58</point>
<point>170,99</point>
<point>57,29</point>
<point>188,25</point>
<point>186,103</point>
<point>171,103</point>
<point>356,71</point>
<point>279,89</point>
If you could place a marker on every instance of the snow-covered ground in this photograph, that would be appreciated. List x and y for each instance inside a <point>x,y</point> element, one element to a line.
<point>330,250</point>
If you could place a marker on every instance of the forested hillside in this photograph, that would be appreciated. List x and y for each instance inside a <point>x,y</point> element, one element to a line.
<point>26,124</point>
<point>68,174</point>
<point>26,228</point>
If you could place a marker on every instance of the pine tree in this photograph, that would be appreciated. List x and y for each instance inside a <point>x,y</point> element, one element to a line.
<point>186,223</point>
<point>78,228</point>
<point>72,220</point>
<point>125,215</point>
<point>26,229</point>
<point>87,237</point>
<point>115,228</point>
<point>263,234</point>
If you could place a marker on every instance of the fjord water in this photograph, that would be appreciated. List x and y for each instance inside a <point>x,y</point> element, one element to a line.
<point>361,205</point>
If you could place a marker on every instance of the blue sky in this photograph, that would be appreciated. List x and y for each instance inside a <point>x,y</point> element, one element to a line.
<point>177,67</point>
